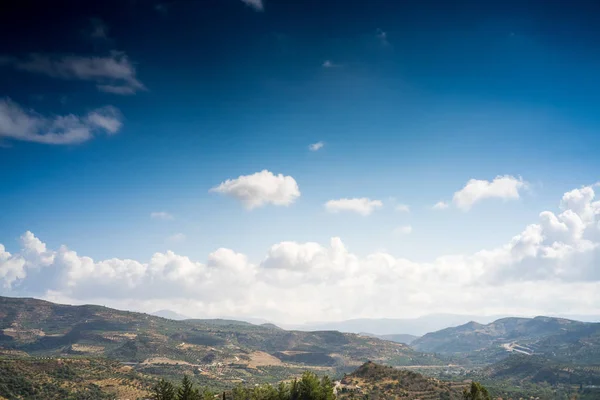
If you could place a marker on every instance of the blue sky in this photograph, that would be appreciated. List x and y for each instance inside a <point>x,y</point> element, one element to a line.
<point>411,101</point>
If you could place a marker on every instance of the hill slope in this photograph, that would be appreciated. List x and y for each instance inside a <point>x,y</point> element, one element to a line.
<point>382,382</point>
<point>222,349</point>
<point>70,379</point>
<point>567,340</point>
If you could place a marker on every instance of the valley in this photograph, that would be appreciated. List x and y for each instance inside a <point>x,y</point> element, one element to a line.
<point>539,356</point>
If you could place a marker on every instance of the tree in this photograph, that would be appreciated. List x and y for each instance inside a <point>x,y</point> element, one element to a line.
<point>163,390</point>
<point>476,392</point>
<point>327,389</point>
<point>187,391</point>
<point>310,386</point>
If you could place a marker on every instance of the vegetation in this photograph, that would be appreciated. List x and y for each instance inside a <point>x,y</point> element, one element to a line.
<point>373,381</point>
<point>308,387</point>
<point>476,392</point>
<point>54,379</point>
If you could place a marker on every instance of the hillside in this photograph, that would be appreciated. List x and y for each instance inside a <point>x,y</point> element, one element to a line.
<point>224,350</point>
<point>70,379</point>
<point>520,375</point>
<point>567,340</point>
<point>383,382</point>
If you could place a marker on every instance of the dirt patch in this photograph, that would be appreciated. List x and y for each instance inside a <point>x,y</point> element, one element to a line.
<point>87,349</point>
<point>260,358</point>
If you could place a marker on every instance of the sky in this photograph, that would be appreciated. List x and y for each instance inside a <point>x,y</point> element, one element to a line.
<point>302,161</point>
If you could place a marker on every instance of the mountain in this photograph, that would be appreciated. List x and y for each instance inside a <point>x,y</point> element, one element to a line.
<point>391,326</point>
<point>223,350</point>
<point>374,381</point>
<point>169,315</point>
<point>564,339</point>
<point>398,338</point>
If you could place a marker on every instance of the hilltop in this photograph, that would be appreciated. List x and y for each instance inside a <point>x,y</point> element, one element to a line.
<point>221,350</point>
<point>384,382</point>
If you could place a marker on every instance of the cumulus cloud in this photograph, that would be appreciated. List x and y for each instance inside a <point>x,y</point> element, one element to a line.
<point>551,266</point>
<point>363,206</point>
<point>502,187</point>
<point>256,4</point>
<point>261,188</point>
<point>440,205</point>
<point>316,146</point>
<point>114,73</point>
<point>17,123</point>
<point>165,216</point>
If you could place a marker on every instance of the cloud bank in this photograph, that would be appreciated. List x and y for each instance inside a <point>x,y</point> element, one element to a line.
<point>550,267</point>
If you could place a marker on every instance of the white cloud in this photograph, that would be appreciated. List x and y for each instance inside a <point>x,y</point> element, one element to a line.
<point>402,208</point>
<point>165,216</point>
<point>261,188</point>
<point>176,238</point>
<point>363,206</point>
<point>256,4</point>
<point>403,230</point>
<point>440,205</point>
<point>113,74</point>
<point>550,267</point>
<point>316,146</point>
<point>17,123</point>
<point>502,187</point>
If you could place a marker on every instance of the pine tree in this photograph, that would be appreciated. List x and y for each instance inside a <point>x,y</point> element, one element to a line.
<point>163,390</point>
<point>187,391</point>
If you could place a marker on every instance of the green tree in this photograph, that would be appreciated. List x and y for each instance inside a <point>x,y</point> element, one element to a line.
<point>283,391</point>
<point>310,386</point>
<point>163,390</point>
<point>476,392</point>
<point>187,391</point>
<point>327,389</point>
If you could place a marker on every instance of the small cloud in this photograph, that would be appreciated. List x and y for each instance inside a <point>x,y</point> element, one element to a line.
<point>256,4</point>
<point>402,208</point>
<point>502,187</point>
<point>440,205</point>
<point>403,230</point>
<point>98,30</point>
<point>111,74</point>
<point>261,188</point>
<point>162,215</point>
<point>17,123</point>
<point>363,206</point>
<point>329,64</point>
<point>316,146</point>
<point>176,238</point>
<point>382,36</point>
